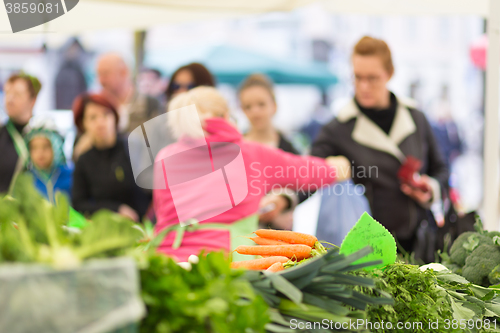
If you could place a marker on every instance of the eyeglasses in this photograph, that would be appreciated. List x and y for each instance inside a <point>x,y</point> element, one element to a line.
<point>177,86</point>
<point>372,80</point>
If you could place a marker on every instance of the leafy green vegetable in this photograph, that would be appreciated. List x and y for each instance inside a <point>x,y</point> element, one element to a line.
<point>475,255</point>
<point>34,230</point>
<point>417,298</point>
<point>480,263</point>
<point>432,296</point>
<point>211,297</point>
<point>469,301</point>
<point>465,244</point>
<point>494,276</point>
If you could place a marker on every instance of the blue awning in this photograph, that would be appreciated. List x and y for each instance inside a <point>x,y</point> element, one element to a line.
<point>231,65</point>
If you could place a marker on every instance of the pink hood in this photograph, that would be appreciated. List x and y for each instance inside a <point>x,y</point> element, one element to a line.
<point>220,130</point>
<point>203,188</point>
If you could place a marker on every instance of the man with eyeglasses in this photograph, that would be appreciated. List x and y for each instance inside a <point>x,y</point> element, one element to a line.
<point>21,91</point>
<point>377,131</point>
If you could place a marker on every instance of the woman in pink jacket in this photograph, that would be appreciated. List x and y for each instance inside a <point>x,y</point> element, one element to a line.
<point>209,183</point>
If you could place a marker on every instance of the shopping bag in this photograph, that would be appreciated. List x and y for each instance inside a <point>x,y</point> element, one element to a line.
<point>342,204</point>
<point>305,215</point>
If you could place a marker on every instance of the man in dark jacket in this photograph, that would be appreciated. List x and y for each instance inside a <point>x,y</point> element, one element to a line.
<point>21,91</point>
<point>376,131</point>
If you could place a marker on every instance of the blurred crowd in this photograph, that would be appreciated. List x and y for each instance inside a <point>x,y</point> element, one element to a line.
<point>375,129</point>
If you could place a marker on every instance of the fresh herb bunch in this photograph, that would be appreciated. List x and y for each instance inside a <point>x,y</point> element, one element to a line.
<point>34,230</point>
<point>470,303</point>
<point>317,290</point>
<point>417,297</point>
<point>211,297</point>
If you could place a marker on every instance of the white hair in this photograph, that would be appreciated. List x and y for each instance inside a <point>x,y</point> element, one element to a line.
<point>209,103</point>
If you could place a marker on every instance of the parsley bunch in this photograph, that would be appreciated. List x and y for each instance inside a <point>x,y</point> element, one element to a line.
<point>417,298</point>
<point>211,297</point>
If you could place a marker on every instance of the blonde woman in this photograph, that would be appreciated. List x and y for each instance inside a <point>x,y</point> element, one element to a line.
<point>189,169</point>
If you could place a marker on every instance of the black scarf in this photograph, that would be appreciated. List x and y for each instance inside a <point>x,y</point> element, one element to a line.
<point>382,117</point>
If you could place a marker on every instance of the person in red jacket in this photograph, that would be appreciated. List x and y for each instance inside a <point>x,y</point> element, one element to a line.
<point>213,176</point>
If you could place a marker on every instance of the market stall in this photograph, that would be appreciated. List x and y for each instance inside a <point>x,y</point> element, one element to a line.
<point>60,273</point>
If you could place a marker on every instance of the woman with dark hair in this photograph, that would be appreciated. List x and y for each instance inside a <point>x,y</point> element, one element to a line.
<point>188,77</point>
<point>83,141</point>
<point>103,176</point>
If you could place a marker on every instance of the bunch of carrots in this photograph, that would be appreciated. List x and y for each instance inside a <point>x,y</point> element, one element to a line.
<point>278,248</point>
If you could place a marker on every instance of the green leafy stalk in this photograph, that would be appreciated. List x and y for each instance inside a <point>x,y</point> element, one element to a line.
<point>211,297</point>
<point>26,241</point>
<point>40,233</point>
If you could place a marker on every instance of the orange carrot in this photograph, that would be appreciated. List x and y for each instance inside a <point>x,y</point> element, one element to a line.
<point>290,237</point>
<point>257,264</point>
<point>276,267</point>
<point>296,251</point>
<point>267,241</point>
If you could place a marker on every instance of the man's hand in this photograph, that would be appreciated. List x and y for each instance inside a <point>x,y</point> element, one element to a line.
<point>83,145</point>
<point>341,165</point>
<point>128,212</point>
<point>420,196</point>
<point>271,206</point>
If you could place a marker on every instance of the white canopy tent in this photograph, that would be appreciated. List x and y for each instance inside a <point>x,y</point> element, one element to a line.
<point>91,15</point>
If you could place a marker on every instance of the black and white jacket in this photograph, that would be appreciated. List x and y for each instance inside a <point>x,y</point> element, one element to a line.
<point>376,158</point>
